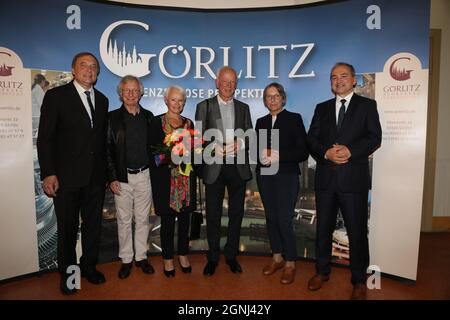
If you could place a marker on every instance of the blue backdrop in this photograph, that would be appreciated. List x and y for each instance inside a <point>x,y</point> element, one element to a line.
<point>38,31</point>
<point>295,46</point>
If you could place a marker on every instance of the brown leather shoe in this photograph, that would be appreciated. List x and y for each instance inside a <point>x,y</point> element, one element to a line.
<point>272,267</point>
<point>359,292</point>
<point>288,275</point>
<point>315,283</point>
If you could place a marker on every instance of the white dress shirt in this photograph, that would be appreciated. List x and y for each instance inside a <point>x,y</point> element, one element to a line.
<point>338,103</point>
<point>83,97</point>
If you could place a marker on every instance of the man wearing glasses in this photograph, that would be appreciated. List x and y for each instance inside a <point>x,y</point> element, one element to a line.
<point>128,156</point>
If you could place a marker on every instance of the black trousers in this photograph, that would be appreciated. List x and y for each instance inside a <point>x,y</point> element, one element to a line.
<point>279,195</point>
<point>228,178</point>
<point>167,233</point>
<point>354,209</point>
<point>70,204</point>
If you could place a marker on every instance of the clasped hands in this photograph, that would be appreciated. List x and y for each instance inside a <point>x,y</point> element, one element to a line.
<point>338,154</point>
<point>229,149</point>
<point>269,156</point>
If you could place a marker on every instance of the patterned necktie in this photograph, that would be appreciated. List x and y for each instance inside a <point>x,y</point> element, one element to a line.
<point>91,106</point>
<point>341,114</point>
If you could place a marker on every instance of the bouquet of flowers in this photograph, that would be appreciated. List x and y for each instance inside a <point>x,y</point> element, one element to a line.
<point>178,148</point>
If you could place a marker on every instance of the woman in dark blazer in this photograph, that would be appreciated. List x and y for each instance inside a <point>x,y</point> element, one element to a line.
<point>174,194</point>
<point>279,188</point>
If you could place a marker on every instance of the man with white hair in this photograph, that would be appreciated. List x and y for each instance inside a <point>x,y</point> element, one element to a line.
<point>129,158</point>
<point>225,114</point>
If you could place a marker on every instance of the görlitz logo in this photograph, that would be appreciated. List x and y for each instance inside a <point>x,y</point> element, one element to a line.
<point>404,71</point>
<point>9,84</point>
<point>5,70</point>
<point>122,59</point>
<point>398,70</point>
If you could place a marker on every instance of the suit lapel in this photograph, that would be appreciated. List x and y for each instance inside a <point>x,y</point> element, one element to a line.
<point>238,117</point>
<point>278,121</point>
<point>350,111</point>
<point>78,104</point>
<point>268,122</point>
<point>332,117</point>
<point>215,114</point>
<point>98,112</point>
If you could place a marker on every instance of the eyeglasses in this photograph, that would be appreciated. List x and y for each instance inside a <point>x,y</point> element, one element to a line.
<point>273,97</point>
<point>130,91</point>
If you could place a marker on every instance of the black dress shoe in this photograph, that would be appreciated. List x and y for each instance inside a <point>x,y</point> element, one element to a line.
<point>210,268</point>
<point>125,270</point>
<point>235,267</point>
<point>64,288</point>
<point>169,273</point>
<point>145,266</point>
<point>93,276</point>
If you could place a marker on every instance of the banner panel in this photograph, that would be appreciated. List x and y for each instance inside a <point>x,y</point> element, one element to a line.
<point>293,46</point>
<point>18,247</point>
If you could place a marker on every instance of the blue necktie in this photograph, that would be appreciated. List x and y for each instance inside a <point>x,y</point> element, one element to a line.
<point>91,106</point>
<point>341,114</point>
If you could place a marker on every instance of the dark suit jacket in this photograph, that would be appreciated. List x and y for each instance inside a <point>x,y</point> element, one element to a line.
<point>116,146</point>
<point>292,140</point>
<point>67,145</point>
<point>208,113</point>
<point>360,132</point>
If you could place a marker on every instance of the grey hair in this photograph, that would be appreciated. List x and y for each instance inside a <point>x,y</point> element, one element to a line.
<point>344,64</point>
<point>175,87</point>
<point>129,78</point>
<point>221,69</point>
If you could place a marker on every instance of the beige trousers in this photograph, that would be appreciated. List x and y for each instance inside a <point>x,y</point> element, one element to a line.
<point>134,201</point>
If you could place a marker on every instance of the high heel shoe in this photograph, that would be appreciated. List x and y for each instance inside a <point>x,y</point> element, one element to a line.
<point>169,273</point>
<point>185,269</point>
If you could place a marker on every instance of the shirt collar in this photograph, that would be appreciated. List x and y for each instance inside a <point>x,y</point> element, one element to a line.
<point>137,113</point>
<point>347,99</point>
<point>222,102</point>
<point>80,89</point>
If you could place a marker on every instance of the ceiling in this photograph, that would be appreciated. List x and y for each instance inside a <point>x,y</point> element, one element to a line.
<point>218,4</point>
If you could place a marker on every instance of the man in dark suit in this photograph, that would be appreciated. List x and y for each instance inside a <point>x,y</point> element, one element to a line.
<point>344,132</point>
<point>71,152</point>
<point>226,115</point>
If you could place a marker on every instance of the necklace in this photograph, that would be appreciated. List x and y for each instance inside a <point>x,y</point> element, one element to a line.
<point>175,122</point>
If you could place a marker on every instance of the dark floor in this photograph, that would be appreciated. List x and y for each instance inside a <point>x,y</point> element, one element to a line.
<point>433,281</point>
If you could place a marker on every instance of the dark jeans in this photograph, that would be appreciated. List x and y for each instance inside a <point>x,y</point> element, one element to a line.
<point>279,195</point>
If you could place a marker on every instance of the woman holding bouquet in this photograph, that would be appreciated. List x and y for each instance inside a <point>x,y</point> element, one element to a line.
<point>286,148</point>
<point>173,184</point>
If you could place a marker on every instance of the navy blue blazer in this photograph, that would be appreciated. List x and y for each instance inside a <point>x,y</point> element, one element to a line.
<point>360,132</point>
<point>293,147</point>
<point>67,145</point>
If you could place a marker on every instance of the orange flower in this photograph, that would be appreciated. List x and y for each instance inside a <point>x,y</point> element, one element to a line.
<point>179,149</point>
